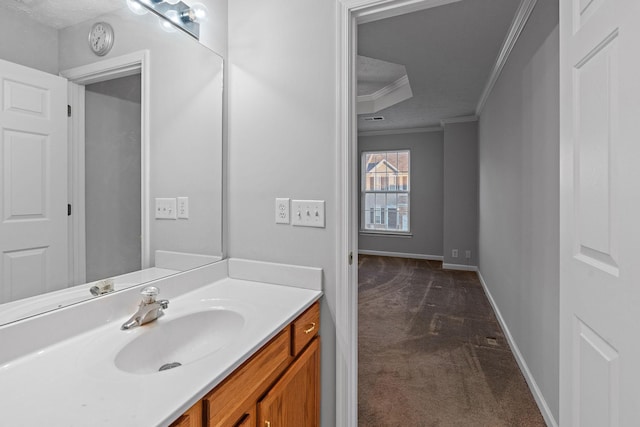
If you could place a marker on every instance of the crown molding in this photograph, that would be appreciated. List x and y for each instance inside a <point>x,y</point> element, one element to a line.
<point>401,82</point>
<point>461,119</point>
<point>394,93</point>
<point>517,25</point>
<point>388,9</point>
<point>400,131</point>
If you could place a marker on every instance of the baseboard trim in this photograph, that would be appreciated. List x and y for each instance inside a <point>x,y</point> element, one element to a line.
<point>461,267</point>
<point>524,368</point>
<point>400,255</point>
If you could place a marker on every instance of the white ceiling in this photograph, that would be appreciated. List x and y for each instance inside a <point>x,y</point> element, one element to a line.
<point>374,74</point>
<point>448,51</point>
<point>63,13</point>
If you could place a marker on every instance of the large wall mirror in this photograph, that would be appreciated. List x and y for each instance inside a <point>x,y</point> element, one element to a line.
<point>125,185</point>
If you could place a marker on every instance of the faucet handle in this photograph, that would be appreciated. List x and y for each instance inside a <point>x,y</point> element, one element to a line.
<point>149,294</point>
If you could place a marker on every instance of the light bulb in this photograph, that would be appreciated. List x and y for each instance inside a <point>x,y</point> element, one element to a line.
<point>166,25</point>
<point>173,16</point>
<point>200,12</point>
<point>136,7</point>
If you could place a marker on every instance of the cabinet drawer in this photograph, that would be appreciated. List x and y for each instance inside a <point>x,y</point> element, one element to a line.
<point>304,328</point>
<point>225,405</point>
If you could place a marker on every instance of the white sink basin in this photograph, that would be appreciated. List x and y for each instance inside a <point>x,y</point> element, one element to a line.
<point>169,343</point>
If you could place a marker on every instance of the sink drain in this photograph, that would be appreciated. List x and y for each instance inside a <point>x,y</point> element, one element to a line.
<point>169,366</point>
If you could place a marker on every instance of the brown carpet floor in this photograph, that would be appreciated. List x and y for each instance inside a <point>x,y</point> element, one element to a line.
<point>431,352</point>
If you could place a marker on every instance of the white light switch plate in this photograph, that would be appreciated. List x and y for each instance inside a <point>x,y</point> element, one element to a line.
<point>165,208</point>
<point>282,211</point>
<point>308,213</point>
<point>183,207</point>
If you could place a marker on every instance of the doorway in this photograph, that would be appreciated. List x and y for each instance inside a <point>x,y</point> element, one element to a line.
<point>112,179</point>
<point>99,93</point>
<point>352,13</point>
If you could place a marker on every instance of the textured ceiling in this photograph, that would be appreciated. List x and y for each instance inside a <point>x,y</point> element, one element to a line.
<point>63,13</point>
<point>374,74</point>
<point>448,52</point>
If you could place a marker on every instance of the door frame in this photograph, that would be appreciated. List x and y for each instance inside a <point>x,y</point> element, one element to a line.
<point>78,77</point>
<point>350,14</point>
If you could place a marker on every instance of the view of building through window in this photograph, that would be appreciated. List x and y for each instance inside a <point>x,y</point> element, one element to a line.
<point>385,191</point>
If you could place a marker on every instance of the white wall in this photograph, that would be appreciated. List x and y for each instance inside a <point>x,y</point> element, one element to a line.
<point>27,42</point>
<point>460,230</point>
<point>426,204</point>
<point>185,123</point>
<point>214,31</point>
<point>519,191</point>
<point>112,159</point>
<point>282,143</point>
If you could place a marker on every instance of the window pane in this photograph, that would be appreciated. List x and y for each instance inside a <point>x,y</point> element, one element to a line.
<point>403,161</point>
<point>385,186</point>
<point>392,158</point>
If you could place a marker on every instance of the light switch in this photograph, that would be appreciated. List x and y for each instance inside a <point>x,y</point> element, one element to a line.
<point>165,208</point>
<point>183,207</point>
<point>308,213</point>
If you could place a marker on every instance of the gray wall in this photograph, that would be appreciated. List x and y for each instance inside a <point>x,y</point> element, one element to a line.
<point>519,191</point>
<point>112,164</point>
<point>282,143</point>
<point>426,203</point>
<point>461,192</point>
<point>27,42</point>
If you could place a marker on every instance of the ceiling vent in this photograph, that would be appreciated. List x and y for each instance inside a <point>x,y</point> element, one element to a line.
<point>373,119</point>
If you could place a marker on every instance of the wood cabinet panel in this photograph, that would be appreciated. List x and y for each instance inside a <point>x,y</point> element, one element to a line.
<point>305,327</point>
<point>294,400</point>
<point>248,418</point>
<point>226,404</point>
<point>191,418</point>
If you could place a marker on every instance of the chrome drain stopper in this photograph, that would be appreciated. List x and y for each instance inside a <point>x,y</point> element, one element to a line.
<point>169,366</point>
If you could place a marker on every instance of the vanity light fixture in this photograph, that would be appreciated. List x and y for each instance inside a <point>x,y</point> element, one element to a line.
<point>136,7</point>
<point>175,14</point>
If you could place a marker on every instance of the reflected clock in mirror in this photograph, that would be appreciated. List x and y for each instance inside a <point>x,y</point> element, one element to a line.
<point>89,144</point>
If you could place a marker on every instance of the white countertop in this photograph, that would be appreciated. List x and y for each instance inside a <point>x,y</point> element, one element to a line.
<point>75,382</point>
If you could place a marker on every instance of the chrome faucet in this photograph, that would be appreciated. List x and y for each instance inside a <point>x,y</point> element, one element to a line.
<point>148,310</point>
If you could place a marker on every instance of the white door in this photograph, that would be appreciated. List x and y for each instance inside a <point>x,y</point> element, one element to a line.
<point>33,182</point>
<point>600,213</point>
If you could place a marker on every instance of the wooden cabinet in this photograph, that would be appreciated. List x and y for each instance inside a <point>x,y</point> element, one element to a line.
<point>191,418</point>
<point>279,386</point>
<point>291,402</point>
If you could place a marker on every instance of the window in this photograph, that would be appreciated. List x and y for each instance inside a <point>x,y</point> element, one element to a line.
<point>385,191</point>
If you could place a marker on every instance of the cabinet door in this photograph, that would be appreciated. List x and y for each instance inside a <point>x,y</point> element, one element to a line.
<point>294,400</point>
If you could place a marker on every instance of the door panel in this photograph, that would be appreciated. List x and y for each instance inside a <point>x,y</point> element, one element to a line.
<point>294,400</point>
<point>33,182</point>
<point>599,208</point>
<point>25,187</point>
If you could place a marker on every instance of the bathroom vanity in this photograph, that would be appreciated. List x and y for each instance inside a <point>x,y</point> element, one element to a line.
<point>278,386</point>
<point>240,337</point>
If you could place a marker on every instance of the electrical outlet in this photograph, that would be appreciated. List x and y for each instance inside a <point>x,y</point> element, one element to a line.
<point>282,211</point>
<point>166,208</point>
<point>454,253</point>
<point>467,254</point>
<point>183,207</point>
<point>308,213</point>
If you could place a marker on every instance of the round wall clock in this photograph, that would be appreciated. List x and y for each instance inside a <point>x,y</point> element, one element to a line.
<point>101,38</point>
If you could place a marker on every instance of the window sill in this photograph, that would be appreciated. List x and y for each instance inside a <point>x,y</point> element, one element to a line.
<point>385,234</point>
